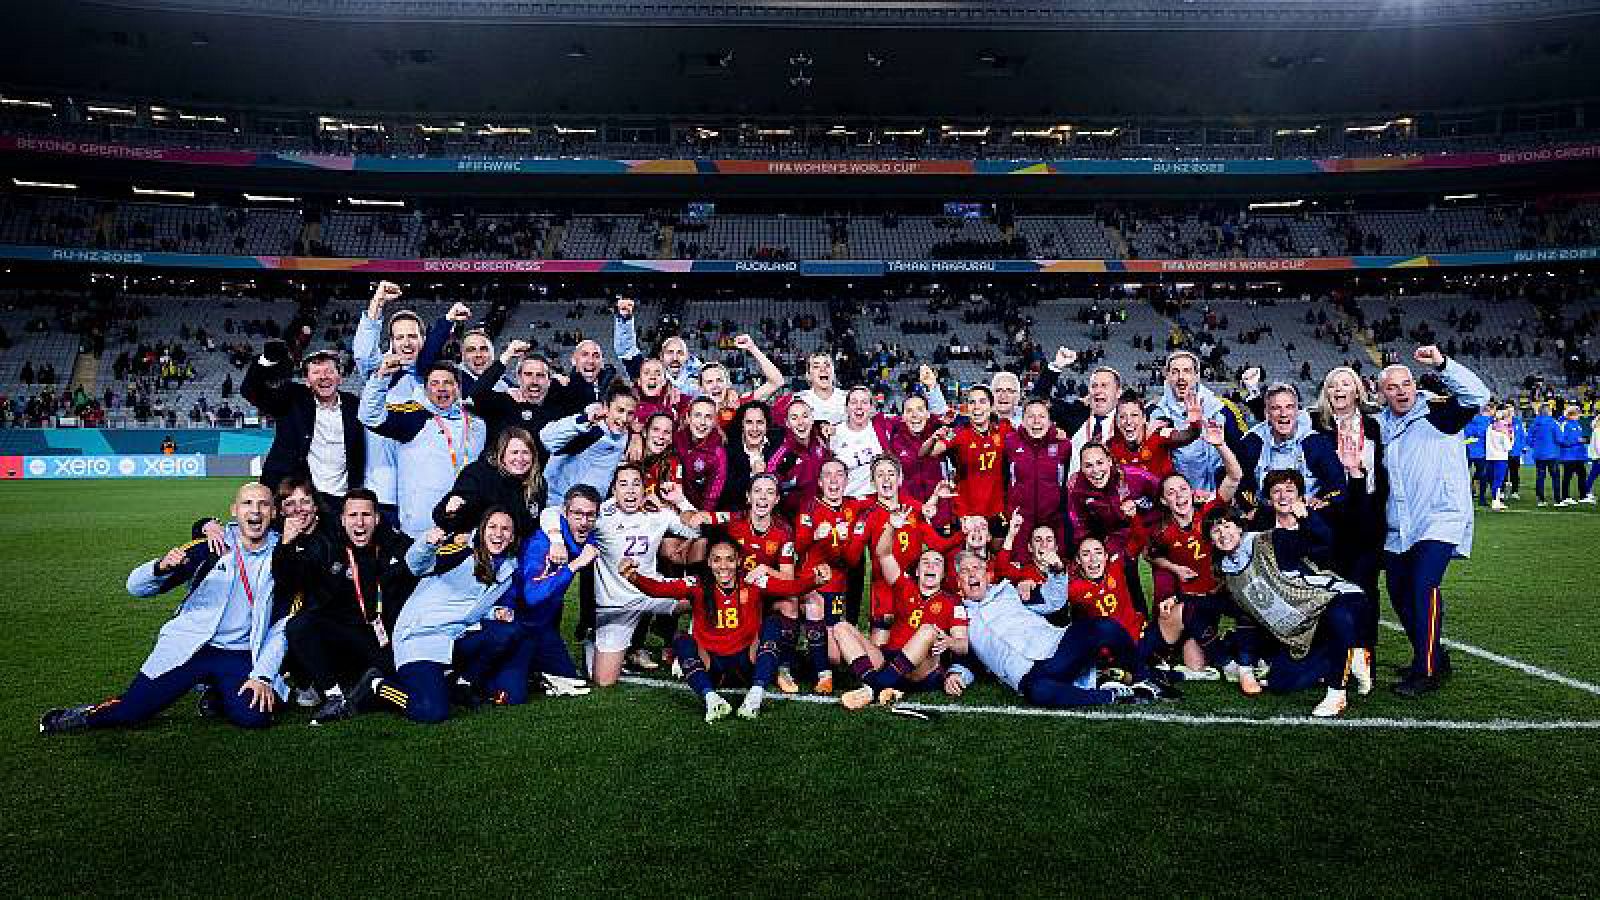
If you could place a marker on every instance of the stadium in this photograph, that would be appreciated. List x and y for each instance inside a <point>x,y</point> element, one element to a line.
<point>822,448</point>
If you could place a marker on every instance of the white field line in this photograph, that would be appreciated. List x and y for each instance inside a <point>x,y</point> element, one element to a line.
<point>1508,662</point>
<point>1200,720</point>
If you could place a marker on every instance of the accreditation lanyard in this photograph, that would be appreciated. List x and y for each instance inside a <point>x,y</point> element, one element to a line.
<point>244,576</point>
<point>361,599</point>
<point>466,431</point>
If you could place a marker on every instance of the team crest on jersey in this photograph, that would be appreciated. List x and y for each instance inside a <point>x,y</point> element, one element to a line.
<point>933,608</point>
<point>771,547</point>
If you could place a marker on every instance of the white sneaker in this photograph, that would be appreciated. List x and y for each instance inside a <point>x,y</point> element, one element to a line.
<point>751,707</point>
<point>1568,502</point>
<point>1541,503</point>
<point>1497,506</point>
<point>1589,500</point>
<point>1209,673</point>
<point>1332,705</point>
<point>1361,670</point>
<point>717,708</point>
<point>308,697</point>
<point>561,686</point>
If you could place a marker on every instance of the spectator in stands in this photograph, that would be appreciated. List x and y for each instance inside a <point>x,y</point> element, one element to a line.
<point>318,431</point>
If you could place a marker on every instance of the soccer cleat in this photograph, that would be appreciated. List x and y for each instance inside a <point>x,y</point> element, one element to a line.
<point>562,686</point>
<point>1155,690</point>
<point>333,709</point>
<point>307,698</point>
<point>1333,703</point>
<point>751,707</point>
<point>65,719</point>
<point>1122,694</point>
<point>717,708</point>
<point>640,659</point>
<point>890,696</point>
<point>1568,502</point>
<point>824,686</point>
<point>1361,670</point>
<point>1249,684</point>
<point>361,693</point>
<point>1415,685</point>
<point>1209,673</point>
<point>859,698</point>
<point>786,683</point>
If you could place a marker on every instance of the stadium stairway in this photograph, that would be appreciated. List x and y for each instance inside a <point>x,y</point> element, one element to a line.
<point>85,372</point>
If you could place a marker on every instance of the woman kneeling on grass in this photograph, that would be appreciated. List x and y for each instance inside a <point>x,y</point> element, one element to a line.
<point>452,636</point>
<point>731,641</point>
<point>1314,617</point>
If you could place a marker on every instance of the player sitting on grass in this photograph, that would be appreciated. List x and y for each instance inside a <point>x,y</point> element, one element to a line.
<point>927,628</point>
<point>731,641</point>
<point>228,634</point>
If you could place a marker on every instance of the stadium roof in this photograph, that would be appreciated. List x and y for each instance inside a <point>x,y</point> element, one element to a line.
<point>1142,59</point>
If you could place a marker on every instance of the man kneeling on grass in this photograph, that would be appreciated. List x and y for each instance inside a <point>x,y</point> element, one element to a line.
<point>228,635</point>
<point>1049,665</point>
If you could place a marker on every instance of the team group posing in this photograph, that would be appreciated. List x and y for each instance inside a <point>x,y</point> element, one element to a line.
<point>412,548</point>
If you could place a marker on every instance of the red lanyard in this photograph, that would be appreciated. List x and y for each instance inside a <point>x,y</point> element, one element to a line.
<point>244,576</point>
<point>355,578</point>
<point>466,431</point>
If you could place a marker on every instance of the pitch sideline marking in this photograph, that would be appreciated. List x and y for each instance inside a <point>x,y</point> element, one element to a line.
<point>1200,720</point>
<point>1508,662</point>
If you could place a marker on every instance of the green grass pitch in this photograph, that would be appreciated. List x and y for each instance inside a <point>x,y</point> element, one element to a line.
<point>628,793</point>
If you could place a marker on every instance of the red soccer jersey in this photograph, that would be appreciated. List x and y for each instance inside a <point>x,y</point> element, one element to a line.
<point>1154,454</point>
<point>912,610</point>
<point>1189,547</point>
<point>724,621</point>
<point>980,470</point>
<point>1015,567</point>
<point>906,545</point>
<point>1107,598</point>
<point>839,548</point>
<point>773,548</point>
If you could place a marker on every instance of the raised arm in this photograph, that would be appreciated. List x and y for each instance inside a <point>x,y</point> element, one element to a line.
<point>772,376</point>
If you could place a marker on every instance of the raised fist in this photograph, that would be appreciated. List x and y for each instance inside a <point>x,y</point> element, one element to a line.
<point>744,343</point>
<point>434,536</point>
<point>1064,358</point>
<point>927,377</point>
<point>459,312</point>
<point>1429,355</point>
<point>514,350</point>
<point>385,292</point>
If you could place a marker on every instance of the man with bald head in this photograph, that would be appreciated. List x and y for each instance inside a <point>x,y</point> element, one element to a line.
<point>1430,502</point>
<point>227,635</point>
<point>586,383</point>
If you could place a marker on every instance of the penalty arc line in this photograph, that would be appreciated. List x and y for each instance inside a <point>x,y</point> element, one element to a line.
<point>1198,720</point>
<point>1508,662</point>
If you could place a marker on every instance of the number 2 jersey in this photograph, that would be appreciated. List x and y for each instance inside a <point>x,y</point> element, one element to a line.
<point>1189,547</point>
